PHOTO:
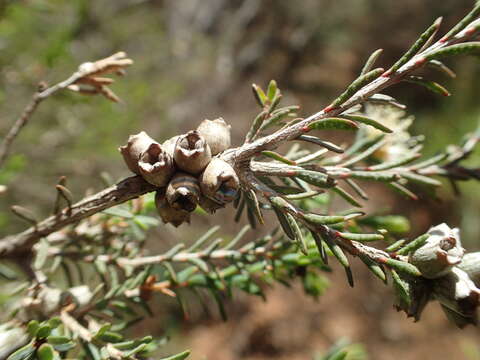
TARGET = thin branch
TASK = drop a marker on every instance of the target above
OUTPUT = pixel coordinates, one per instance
(87, 73)
(125, 190)
(248, 150)
(37, 98)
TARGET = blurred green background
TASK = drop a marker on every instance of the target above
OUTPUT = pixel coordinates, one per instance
(196, 59)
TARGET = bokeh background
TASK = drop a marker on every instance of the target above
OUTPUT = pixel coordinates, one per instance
(196, 59)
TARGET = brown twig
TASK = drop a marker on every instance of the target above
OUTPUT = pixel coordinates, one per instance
(86, 71)
(125, 190)
(37, 98)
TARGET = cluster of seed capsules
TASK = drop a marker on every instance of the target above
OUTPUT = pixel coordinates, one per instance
(186, 169)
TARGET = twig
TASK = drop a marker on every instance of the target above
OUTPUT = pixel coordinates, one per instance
(87, 73)
(125, 190)
(74, 326)
(37, 98)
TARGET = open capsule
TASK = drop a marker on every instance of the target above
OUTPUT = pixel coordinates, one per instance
(192, 153)
(219, 182)
(216, 133)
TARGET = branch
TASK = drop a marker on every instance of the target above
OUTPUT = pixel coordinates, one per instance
(87, 73)
(248, 150)
(240, 158)
(125, 190)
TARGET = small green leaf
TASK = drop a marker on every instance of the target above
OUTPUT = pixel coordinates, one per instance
(472, 15)
(299, 238)
(368, 121)
(180, 356)
(395, 246)
(402, 289)
(315, 178)
(376, 269)
(284, 223)
(46, 352)
(57, 340)
(278, 157)
(24, 353)
(418, 45)
(383, 176)
(403, 190)
(356, 85)
(421, 179)
(333, 124)
(326, 144)
(346, 196)
(361, 237)
(44, 331)
(110, 336)
(201, 240)
(402, 160)
(371, 61)
(373, 147)
(42, 254)
(64, 347)
(337, 251)
(320, 247)
(278, 115)
(256, 125)
(120, 211)
(467, 48)
(403, 267)
(272, 90)
(430, 85)
(146, 222)
(253, 206)
(100, 266)
(413, 245)
(32, 327)
(138, 349)
(339, 355)
(54, 322)
(259, 95)
(104, 328)
(323, 219)
(392, 223)
(438, 65)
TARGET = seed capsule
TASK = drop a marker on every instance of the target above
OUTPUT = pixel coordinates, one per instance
(156, 166)
(137, 144)
(219, 182)
(216, 133)
(441, 251)
(192, 154)
(183, 192)
(168, 214)
(169, 145)
(209, 205)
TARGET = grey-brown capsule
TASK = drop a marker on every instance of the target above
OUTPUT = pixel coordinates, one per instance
(457, 292)
(471, 265)
(440, 253)
(156, 166)
(183, 192)
(137, 144)
(209, 205)
(216, 133)
(169, 145)
(219, 182)
(168, 214)
(192, 153)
